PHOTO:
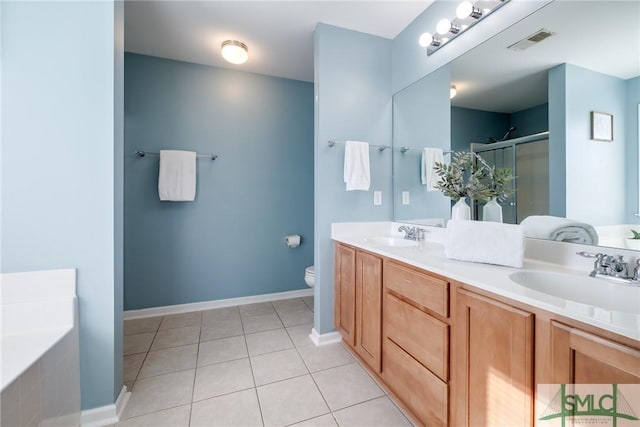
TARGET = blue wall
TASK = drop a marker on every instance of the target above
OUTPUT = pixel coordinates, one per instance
(59, 190)
(230, 241)
(632, 155)
(421, 117)
(590, 166)
(353, 101)
(476, 126)
(530, 121)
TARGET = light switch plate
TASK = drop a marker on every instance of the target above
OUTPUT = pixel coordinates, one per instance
(405, 197)
(377, 198)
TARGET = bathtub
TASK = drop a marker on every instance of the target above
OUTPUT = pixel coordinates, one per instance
(39, 350)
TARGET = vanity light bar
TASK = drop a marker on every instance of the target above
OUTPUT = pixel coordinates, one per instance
(468, 14)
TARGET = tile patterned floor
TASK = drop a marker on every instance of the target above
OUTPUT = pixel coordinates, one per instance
(252, 365)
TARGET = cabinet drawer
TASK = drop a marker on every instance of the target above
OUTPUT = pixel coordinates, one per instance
(417, 333)
(423, 393)
(427, 291)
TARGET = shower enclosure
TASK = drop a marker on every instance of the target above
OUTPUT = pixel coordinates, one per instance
(528, 157)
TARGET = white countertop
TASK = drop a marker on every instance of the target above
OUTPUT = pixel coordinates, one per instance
(496, 279)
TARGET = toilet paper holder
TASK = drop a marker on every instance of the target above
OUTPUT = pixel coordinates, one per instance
(292, 240)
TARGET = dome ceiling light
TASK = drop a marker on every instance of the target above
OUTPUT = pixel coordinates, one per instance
(235, 52)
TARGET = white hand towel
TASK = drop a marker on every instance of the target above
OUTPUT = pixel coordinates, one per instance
(177, 178)
(559, 229)
(486, 242)
(357, 174)
(430, 156)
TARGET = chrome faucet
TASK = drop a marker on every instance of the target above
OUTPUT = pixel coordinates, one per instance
(412, 233)
(613, 267)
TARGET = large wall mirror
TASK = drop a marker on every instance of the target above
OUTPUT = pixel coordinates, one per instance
(526, 99)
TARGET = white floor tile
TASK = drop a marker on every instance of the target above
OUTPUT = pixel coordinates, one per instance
(222, 350)
(239, 409)
(300, 335)
(174, 417)
(260, 322)
(161, 392)
(257, 309)
(268, 341)
(374, 413)
(176, 337)
(181, 320)
(277, 366)
(138, 326)
(309, 302)
(131, 366)
(323, 421)
(220, 314)
(291, 401)
(325, 356)
(169, 360)
(346, 385)
(225, 328)
(222, 378)
(285, 305)
(138, 343)
(296, 317)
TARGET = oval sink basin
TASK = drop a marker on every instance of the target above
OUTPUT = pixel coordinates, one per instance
(390, 241)
(584, 290)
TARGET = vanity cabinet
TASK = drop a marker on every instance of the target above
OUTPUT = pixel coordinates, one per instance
(415, 361)
(344, 313)
(358, 302)
(454, 354)
(579, 357)
(494, 350)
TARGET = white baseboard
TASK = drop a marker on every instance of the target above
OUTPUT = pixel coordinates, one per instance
(207, 305)
(324, 339)
(106, 415)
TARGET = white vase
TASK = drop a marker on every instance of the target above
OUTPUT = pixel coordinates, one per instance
(492, 211)
(461, 210)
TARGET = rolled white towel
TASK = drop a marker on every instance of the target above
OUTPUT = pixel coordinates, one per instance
(559, 229)
(485, 242)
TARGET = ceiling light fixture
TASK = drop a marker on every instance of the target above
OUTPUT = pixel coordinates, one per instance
(467, 15)
(452, 91)
(235, 52)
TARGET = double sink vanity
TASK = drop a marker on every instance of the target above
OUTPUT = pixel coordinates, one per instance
(460, 343)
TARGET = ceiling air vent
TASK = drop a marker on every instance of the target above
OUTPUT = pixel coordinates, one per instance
(531, 40)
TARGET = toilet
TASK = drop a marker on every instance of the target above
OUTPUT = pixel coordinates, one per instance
(309, 276)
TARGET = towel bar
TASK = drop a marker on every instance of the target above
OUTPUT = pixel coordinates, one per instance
(405, 149)
(141, 153)
(331, 143)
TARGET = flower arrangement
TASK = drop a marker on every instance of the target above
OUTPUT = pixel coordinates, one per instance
(465, 178)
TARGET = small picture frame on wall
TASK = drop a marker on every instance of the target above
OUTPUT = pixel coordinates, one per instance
(601, 126)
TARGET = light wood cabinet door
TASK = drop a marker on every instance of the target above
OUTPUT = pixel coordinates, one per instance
(494, 363)
(578, 357)
(345, 292)
(369, 309)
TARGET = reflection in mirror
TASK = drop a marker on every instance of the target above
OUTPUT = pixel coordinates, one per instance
(511, 88)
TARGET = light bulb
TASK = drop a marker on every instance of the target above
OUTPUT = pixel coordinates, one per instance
(425, 39)
(464, 9)
(235, 52)
(443, 27)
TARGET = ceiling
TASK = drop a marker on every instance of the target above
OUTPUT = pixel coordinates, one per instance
(602, 36)
(279, 34)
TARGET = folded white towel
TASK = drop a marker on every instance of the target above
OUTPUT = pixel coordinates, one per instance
(486, 242)
(430, 156)
(357, 174)
(177, 178)
(559, 229)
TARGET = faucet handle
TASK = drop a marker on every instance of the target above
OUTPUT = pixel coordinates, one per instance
(589, 254)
